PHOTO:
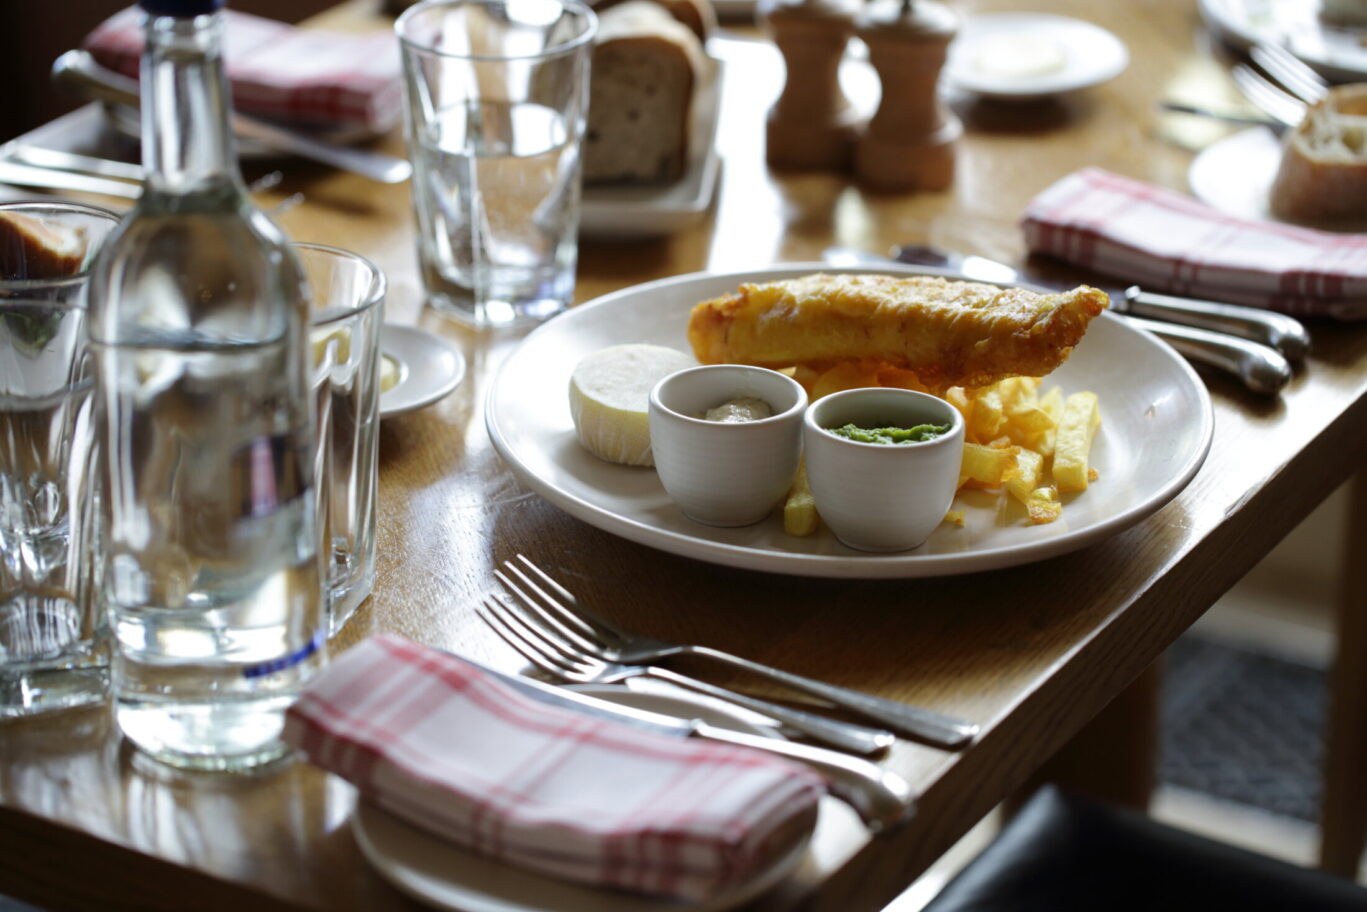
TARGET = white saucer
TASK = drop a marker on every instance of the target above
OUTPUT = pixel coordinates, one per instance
(1235, 176)
(429, 368)
(439, 874)
(1068, 54)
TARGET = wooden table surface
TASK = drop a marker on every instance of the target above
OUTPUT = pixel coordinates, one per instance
(1032, 652)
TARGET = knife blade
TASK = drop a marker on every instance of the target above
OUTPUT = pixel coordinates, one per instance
(50, 179)
(1284, 333)
(880, 797)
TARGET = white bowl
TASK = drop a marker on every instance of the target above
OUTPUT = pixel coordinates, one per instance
(875, 496)
(725, 474)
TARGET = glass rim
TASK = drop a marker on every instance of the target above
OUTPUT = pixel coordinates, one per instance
(407, 43)
(379, 283)
(53, 206)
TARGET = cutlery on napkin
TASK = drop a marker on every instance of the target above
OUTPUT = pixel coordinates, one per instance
(1163, 240)
(464, 753)
(328, 79)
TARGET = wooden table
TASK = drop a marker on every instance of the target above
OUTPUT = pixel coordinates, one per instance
(1032, 652)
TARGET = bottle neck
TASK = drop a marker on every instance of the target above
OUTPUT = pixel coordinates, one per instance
(187, 142)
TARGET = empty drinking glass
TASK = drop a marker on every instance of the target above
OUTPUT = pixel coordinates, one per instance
(496, 98)
(344, 329)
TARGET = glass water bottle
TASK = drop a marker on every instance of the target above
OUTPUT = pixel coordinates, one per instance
(198, 314)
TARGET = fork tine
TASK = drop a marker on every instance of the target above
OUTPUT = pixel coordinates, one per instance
(497, 617)
(585, 644)
(1290, 71)
(1268, 97)
(602, 627)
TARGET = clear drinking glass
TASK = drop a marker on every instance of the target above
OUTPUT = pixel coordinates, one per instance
(496, 98)
(344, 328)
(53, 650)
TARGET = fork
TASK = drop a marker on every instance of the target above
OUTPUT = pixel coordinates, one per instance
(1290, 71)
(1276, 103)
(556, 654)
(603, 640)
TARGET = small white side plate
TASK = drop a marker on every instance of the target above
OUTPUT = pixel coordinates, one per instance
(437, 873)
(429, 368)
(1235, 176)
(1090, 55)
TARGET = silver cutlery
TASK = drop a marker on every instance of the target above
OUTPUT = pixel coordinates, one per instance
(880, 797)
(1261, 368)
(555, 653)
(49, 179)
(80, 71)
(1268, 98)
(58, 160)
(612, 644)
(1290, 71)
(1250, 120)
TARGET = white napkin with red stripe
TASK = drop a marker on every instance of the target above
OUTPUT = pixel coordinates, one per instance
(1165, 241)
(329, 79)
(451, 748)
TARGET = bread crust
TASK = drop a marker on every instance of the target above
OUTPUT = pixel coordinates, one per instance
(1322, 178)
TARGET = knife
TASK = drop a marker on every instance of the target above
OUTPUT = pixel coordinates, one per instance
(1286, 334)
(1262, 368)
(880, 797)
(79, 70)
(28, 176)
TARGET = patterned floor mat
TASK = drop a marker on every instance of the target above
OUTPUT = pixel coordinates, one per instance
(1243, 727)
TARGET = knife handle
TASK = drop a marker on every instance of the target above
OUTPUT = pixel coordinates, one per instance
(1286, 334)
(881, 798)
(1261, 368)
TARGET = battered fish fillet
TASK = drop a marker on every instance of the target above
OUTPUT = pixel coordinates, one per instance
(948, 333)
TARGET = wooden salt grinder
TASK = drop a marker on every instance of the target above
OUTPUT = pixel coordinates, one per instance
(812, 125)
(909, 143)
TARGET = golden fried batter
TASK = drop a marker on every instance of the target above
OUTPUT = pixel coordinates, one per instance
(948, 333)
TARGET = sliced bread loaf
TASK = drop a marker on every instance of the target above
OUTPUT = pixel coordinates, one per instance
(646, 69)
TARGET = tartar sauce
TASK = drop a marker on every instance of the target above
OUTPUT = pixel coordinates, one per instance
(743, 408)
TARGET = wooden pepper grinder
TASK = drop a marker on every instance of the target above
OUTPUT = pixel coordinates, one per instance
(812, 125)
(909, 143)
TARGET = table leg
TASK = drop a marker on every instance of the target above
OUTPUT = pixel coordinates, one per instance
(1343, 810)
(1115, 757)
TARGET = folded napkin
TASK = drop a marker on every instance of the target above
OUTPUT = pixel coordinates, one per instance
(329, 79)
(1165, 241)
(455, 750)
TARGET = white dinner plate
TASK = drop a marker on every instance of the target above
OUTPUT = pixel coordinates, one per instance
(1027, 56)
(1339, 52)
(429, 368)
(641, 211)
(1235, 175)
(1156, 430)
(433, 871)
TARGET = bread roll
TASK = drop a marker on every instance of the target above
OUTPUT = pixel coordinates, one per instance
(33, 249)
(698, 15)
(646, 68)
(1323, 174)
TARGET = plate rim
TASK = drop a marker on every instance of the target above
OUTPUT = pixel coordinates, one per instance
(903, 565)
(1041, 88)
(1241, 33)
(441, 391)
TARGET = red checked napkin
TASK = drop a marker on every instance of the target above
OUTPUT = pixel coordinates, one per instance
(453, 749)
(329, 79)
(1165, 241)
